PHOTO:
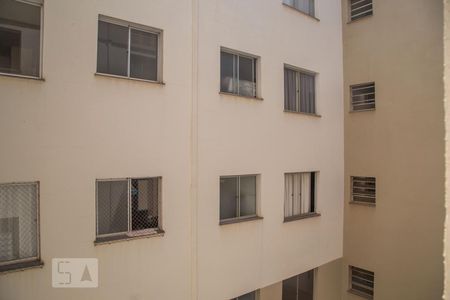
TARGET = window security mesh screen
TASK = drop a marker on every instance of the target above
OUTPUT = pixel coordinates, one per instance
(360, 9)
(363, 96)
(127, 205)
(18, 222)
(362, 281)
(363, 189)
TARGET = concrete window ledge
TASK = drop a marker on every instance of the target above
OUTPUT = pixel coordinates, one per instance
(21, 266)
(127, 237)
(240, 220)
(301, 217)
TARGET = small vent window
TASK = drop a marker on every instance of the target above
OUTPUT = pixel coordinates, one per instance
(360, 9)
(362, 282)
(363, 189)
(363, 96)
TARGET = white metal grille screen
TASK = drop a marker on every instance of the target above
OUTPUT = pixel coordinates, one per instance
(18, 222)
(363, 96)
(360, 9)
(364, 189)
(127, 206)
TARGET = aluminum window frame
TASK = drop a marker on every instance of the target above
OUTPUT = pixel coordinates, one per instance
(255, 71)
(139, 27)
(314, 288)
(130, 232)
(298, 71)
(39, 4)
(316, 179)
(238, 202)
(38, 221)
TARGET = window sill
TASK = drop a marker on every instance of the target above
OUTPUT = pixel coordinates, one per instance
(359, 294)
(239, 220)
(21, 266)
(356, 20)
(303, 113)
(22, 76)
(127, 237)
(301, 217)
(302, 12)
(240, 96)
(362, 203)
(361, 110)
(130, 78)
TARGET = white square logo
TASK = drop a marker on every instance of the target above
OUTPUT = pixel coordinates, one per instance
(75, 272)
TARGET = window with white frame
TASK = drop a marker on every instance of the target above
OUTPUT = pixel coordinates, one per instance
(237, 73)
(300, 194)
(363, 96)
(360, 9)
(249, 296)
(128, 206)
(362, 282)
(306, 6)
(299, 91)
(237, 197)
(19, 223)
(300, 287)
(20, 37)
(363, 189)
(128, 50)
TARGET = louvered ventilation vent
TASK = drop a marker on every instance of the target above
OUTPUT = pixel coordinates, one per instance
(360, 9)
(363, 189)
(363, 96)
(362, 282)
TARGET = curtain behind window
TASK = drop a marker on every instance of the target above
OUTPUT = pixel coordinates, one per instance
(290, 90)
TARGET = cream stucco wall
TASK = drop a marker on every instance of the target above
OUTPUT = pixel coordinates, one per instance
(76, 127)
(401, 143)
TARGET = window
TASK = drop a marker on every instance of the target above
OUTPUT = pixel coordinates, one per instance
(237, 74)
(299, 91)
(360, 9)
(300, 287)
(306, 6)
(20, 37)
(128, 207)
(249, 296)
(362, 282)
(19, 223)
(300, 194)
(363, 189)
(363, 96)
(128, 50)
(237, 197)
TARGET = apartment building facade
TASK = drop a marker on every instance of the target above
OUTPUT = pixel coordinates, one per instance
(394, 149)
(193, 147)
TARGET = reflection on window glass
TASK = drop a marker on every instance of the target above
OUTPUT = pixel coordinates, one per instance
(237, 74)
(237, 196)
(144, 51)
(20, 38)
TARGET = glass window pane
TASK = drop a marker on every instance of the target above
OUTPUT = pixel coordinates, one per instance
(249, 296)
(290, 90)
(144, 55)
(112, 206)
(247, 195)
(228, 197)
(227, 73)
(144, 203)
(18, 221)
(112, 49)
(290, 289)
(246, 77)
(306, 285)
(20, 38)
(307, 93)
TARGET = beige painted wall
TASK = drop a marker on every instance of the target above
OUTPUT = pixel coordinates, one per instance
(401, 143)
(76, 127)
(447, 144)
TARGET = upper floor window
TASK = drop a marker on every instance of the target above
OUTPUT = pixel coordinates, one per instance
(250, 296)
(238, 197)
(306, 6)
(360, 9)
(237, 73)
(20, 37)
(19, 223)
(363, 189)
(128, 50)
(300, 287)
(300, 194)
(299, 91)
(362, 282)
(128, 207)
(363, 96)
